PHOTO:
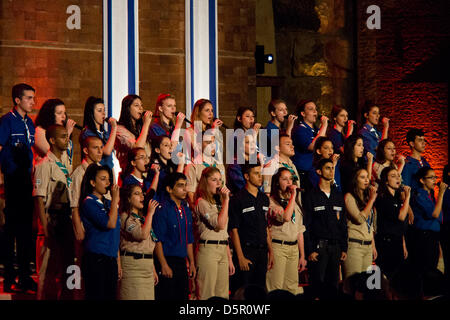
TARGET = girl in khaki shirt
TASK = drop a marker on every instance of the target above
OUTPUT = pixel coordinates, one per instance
(359, 203)
(136, 246)
(214, 261)
(286, 230)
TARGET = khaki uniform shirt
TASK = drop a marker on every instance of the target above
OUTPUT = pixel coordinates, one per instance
(268, 178)
(282, 230)
(131, 236)
(50, 182)
(207, 215)
(193, 173)
(357, 225)
(75, 188)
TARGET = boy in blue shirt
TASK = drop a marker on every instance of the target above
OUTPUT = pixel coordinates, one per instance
(172, 225)
(16, 160)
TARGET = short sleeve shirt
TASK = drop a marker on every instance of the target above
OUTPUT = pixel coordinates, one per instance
(131, 235)
(207, 219)
(248, 214)
(286, 230)
(302, 136)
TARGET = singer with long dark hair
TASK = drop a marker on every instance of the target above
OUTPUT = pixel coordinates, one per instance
(162, 157)
(53, 111)
(339, 119)
(286, 231)
(139, 276)
(427, 220)
(392, 206)
(385, 157)
(359, 204)
(136, 168)
(214, 260)
(102, 224)
(353, 160)
(94, 126)
(132, 129)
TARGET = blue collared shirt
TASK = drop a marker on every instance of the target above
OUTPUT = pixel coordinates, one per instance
(104, 136)
(422, 206)
(235, 177)
(156, 130)
(173, 228)
(99, 238)
(338, 139)
(130, 179)
(16, 139)
(302, 136)
(371, 138)
(410, 169)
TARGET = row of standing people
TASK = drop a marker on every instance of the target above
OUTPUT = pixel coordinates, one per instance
(255, 241)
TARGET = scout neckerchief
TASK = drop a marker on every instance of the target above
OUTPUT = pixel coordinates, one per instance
(291, 170)
(65, 171)
(369, 220)
(142, 221)
(208, 165)
(24, 120)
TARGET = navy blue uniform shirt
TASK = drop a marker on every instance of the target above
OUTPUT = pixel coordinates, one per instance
(173, 227)
(16, 139)
(99, 238)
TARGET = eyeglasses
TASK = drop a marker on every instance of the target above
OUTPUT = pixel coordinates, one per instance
(432, 177)
(142, 158)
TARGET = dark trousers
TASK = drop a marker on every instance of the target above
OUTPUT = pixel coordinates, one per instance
(445, 245)
(257, 269)
(177, 287)
(100, 276)
(425, 253)
(390, 253)
(18, 223)
(324, 273)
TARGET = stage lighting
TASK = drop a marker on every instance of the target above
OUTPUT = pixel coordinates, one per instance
(261, 59)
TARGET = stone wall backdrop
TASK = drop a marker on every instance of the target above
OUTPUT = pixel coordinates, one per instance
(162, 51)
(37, 48)
(236, 56)
(314, 40)
(404, 68)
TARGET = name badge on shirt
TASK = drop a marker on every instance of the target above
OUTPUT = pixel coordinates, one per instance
(337, 208)
(248, 209)
(319, 208)
(265, 208)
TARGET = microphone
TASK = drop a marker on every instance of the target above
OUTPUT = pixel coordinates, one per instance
(77, 126)
(185, 119)
(223, 124)
(176, 114)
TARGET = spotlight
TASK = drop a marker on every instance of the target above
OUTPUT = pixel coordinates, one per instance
(261, 59)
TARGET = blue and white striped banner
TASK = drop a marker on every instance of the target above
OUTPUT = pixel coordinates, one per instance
(120, 52)
(201, 53)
